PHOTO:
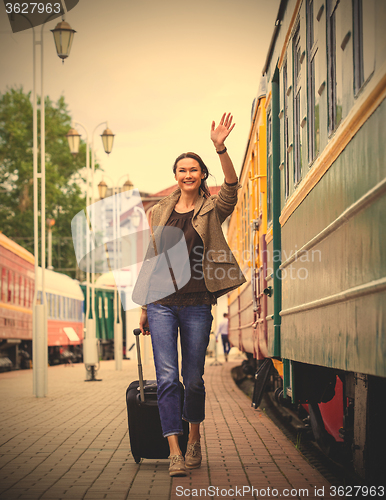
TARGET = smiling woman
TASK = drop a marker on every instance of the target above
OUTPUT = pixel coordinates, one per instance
(190, 173)
(198, 216)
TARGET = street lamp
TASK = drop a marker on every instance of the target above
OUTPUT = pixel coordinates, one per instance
(107, 139)
(102, 188)
(39, 311)
(73, 138)
(118, 330)
(63, 36)
(90, 348)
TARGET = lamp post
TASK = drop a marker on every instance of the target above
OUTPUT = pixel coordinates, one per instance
(118, 330)
(50, 225)
(90, 346)
(39, 310)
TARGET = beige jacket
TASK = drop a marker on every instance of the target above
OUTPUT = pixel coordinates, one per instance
(221, 270)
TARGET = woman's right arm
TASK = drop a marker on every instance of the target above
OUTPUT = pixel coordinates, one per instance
(143, 322)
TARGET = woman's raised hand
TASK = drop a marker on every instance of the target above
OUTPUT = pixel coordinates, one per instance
(224, 128)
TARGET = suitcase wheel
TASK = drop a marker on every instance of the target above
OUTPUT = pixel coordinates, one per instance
(137, 459)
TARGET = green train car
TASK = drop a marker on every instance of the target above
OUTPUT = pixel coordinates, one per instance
(316, 302)
(104, 312)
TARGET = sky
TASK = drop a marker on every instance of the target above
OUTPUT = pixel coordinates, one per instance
(157, 72)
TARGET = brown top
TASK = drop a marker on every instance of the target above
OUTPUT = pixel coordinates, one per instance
(220, 268)
(195, 291)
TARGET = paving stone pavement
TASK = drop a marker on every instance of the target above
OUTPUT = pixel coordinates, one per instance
(74, 444)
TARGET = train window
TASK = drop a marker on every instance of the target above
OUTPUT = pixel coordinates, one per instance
(269, 166)
(100, 305)
(363, 41)
(296, 50)
(27, 293)
(313, 79)
(22, 291)
(15, 294)
(3, 291)
(244, 216)
(106, 308)
(31, 292)
(17, 288)
(10, 286)
(334, 65)
(248, 232)
(60, 307)
(4, 280)
(286, 136)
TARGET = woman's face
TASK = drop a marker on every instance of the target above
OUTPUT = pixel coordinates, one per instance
(189, 175)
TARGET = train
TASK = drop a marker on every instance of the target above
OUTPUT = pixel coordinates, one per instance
(309, 227)
(66, 311)
(105, 316)
(65, 302)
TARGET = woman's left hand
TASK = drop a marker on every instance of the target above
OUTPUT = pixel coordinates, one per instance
(225, 127)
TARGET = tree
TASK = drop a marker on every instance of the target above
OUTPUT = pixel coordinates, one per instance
(64, 197)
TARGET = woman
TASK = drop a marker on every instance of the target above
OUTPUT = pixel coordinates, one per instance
(214, 272)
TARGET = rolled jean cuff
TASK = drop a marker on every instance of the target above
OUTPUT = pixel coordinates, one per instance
(173, 433)
(190, 422)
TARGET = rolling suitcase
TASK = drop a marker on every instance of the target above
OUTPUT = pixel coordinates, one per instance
(145, 430)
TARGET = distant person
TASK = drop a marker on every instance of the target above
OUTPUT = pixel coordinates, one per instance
(197, 213)
(223, 331)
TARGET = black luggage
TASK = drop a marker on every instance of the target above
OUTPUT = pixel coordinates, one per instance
(145, 430)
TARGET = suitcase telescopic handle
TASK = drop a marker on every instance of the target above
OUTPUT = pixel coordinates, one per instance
(137, 333)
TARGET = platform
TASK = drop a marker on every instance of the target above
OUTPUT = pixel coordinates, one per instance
(74, 443)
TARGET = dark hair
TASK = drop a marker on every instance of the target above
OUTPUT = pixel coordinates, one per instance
(204, 169)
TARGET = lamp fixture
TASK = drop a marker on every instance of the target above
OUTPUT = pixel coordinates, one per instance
(63, 36)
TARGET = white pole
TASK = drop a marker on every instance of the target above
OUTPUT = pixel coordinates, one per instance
(93, 218)
(40, 354)
(87, 204)
(90, 349)
(36, 378)
(118, 331)
(50, 248)
(43, 212)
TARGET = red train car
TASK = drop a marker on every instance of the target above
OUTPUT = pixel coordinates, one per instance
(64, 308)
(17, 284)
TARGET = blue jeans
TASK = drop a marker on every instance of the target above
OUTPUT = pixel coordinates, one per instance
(225, 343)
(194, 323)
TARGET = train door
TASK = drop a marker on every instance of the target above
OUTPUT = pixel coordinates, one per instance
(260, 273)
